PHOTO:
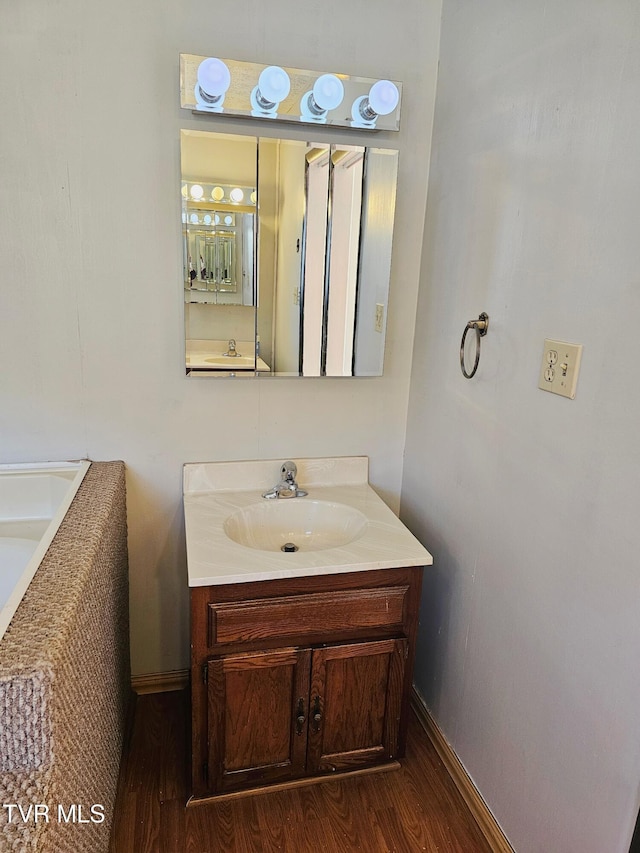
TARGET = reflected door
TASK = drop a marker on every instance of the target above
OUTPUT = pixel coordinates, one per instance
(315, 250)
(346, 211)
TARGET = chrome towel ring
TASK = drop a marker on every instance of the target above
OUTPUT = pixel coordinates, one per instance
(481, 325)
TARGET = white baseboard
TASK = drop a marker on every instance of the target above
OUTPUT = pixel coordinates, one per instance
(487, 823)
(160, 682)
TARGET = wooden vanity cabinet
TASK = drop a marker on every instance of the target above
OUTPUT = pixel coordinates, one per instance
(300, 677)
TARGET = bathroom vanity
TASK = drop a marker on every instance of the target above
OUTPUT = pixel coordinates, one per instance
(301, 661)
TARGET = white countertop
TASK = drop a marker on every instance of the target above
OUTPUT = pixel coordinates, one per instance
(213, 491)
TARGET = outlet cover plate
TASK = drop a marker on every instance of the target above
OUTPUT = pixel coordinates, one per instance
(560, 367)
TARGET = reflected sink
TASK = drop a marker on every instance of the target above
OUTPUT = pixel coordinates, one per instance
(310, 525)
(232, 362)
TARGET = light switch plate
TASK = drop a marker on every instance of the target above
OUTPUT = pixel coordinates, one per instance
(560, 367)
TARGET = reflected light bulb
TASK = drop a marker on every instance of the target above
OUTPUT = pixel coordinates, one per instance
(207, 219)
(273, 87)
(194, 218)
(214, 78)
(228, 219)
(236, 194)
(196, 192)
(382, 99)
(327, 94)
(253, 197)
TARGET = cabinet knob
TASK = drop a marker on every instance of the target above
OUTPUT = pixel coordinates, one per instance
(300, 717)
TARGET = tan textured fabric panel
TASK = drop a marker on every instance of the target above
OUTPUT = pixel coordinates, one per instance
(64, 675)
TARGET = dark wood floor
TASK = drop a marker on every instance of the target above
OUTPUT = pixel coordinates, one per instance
(416, 808)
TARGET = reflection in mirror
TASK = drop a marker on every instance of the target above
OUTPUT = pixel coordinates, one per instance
(316, 164)
(330, 213)
(317, 302)
(281, 251)
(218, 252)
(347, 163)
(219, 202)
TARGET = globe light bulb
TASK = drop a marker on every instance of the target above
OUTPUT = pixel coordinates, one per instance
(253, 197)
(327, 94)
(228, 220)
(194, 219)
(196, 192)
(382, 99)
(274, 84)
(207, 219)
(217, 193)
(236, 195)
(273, 87)
(214, 78)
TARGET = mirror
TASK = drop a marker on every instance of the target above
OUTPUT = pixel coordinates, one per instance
(287, 253)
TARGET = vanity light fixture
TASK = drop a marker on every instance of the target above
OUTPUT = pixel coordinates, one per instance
(214, 78)
(273, 87)
(327, 94)
(232, 87)
(201, 192)
(382, 99)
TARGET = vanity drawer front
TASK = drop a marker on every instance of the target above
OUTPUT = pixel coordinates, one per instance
(316, 613)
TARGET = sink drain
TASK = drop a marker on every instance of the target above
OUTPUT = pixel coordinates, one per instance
(289, 547)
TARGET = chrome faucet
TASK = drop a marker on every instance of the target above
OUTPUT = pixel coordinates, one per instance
(231, 352)
(287, 487)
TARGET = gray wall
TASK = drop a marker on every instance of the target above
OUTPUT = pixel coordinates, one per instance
(530, 628)
(91, 294)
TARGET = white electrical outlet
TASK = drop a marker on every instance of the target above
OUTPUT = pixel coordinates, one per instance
(379, 316)
(560, 366)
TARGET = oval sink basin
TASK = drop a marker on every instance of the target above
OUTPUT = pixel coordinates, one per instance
(232, 362)
(308, 525)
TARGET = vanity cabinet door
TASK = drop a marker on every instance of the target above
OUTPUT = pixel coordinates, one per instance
(355, 704)
(257, 710)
